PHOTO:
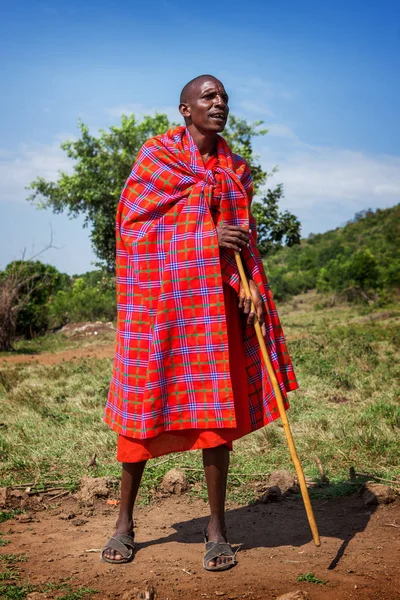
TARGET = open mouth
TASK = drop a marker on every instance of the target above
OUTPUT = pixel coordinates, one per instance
(218, 117)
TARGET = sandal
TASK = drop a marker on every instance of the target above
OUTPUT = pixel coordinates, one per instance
(123, 544)
(216, 549)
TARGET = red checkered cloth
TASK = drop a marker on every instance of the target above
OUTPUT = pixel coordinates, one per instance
(171, 367)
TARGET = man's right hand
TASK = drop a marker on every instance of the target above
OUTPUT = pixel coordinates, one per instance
(232, 236)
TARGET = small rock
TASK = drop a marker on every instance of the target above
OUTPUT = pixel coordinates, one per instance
(297, 595)
(25, 518)
(284, 480)
(175, 482)
(278, 485)
(273, 494)
(92, 488)
(35, 596)
(377, 493)
(79, 522)
(68, 516)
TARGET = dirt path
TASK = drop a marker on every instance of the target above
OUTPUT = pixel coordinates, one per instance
(359, 556)
(52, 358)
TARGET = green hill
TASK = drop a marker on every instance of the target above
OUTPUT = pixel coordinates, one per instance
(363, 255)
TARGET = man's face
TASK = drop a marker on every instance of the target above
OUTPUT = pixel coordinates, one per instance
(206, 106)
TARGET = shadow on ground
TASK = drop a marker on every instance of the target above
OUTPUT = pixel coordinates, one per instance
(282, 524)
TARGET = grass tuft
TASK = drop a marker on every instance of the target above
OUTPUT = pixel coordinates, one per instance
(15, 591)
(6, 515)
(2, 541)
(310, 578)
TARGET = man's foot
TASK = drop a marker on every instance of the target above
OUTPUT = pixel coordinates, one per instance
(113, 552)
(219, 554)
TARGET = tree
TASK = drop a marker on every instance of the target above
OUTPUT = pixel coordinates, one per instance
(101, 165)
(25, 289)
(274, 228)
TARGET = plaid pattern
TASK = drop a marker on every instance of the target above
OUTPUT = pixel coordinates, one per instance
(171, 367)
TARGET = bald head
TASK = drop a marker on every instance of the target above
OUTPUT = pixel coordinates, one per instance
(193, 85)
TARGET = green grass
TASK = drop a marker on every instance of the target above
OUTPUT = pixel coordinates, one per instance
(15, 591)
(346, 411)
(6, 515)
(11, 559)
(310, 578)
(9, 575)
(12, 588)
(9, 572)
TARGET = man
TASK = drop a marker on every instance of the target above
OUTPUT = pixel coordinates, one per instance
(188, 372)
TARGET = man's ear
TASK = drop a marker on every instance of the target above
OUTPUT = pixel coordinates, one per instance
(185, 110)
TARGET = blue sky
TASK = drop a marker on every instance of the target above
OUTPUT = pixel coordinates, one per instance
(324, 77)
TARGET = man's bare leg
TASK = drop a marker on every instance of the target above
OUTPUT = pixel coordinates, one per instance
(216, 464)
(131, 478)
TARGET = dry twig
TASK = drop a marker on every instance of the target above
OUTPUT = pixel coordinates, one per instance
(354, 474)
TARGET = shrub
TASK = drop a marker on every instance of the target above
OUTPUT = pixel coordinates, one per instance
(90, 297)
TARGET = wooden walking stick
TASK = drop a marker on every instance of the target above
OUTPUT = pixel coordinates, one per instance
(282, 411)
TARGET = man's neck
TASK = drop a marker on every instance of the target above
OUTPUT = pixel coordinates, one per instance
(205, 142)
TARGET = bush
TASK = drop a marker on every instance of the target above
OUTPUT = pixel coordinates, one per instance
(359, 272)
(34, 284)
(90, 297)
(285, 284)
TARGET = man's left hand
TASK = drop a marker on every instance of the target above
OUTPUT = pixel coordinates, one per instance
(255, 310)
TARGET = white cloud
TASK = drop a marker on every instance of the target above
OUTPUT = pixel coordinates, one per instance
(324, 173)
(326, 186)
(20, 168)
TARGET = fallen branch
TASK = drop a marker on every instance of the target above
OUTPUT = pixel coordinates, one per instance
(64, 493)
(354, 474)
(34, 484)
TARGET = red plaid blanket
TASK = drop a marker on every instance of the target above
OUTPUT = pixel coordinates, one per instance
(171, 367)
